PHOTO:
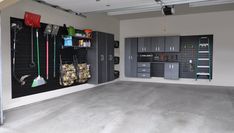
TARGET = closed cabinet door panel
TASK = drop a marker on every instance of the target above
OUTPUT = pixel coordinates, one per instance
(154, 45)
(176, 44)
(102, 67)
(141, 44)
(175, 71)
(128, 57)
(161, 45)
(147, 44)
(167, 70)
(110, 57)
(168, 44)
(134, 57)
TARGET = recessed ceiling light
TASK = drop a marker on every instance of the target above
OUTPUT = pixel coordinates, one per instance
(108, 5)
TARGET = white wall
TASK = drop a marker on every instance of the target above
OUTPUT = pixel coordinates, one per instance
(220, 24)
(1, 111)
(97, 22)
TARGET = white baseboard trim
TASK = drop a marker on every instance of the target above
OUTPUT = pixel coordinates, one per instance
(17, 102)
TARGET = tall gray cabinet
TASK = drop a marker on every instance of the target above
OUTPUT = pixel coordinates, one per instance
(131, 57)
(101, 58)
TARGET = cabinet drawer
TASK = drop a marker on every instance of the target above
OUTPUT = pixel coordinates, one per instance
(143, 75)
(144, 70)
(144, 64)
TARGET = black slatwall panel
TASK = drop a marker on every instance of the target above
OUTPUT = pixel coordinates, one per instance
(188, 51)
(23, 59)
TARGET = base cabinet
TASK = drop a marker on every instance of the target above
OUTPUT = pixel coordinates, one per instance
(171, 71)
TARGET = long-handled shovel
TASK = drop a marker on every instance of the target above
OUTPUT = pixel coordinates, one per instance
(54, 33)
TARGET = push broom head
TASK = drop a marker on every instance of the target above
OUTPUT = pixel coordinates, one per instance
(38, 81)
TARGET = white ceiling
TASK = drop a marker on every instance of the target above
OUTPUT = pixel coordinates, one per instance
(117, 7)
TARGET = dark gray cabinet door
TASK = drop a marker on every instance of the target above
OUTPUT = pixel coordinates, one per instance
(133, 57)
(172, 44)
(102, 63)
(141, 44)
(167, 70)
(157, 44)
(147, 44)
(110, 56)
(175, 71)
(128, 57)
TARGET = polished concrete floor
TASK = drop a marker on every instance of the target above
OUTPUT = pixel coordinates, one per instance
(129, 107)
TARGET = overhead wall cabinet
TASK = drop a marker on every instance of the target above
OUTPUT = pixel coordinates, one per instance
(172, 44)
(157, 44)
(101, 58)
(131, 57)
(144, 44)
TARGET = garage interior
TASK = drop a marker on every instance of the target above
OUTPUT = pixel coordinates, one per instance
(106, 66)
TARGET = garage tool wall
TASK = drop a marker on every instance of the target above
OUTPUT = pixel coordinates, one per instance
(23, 59)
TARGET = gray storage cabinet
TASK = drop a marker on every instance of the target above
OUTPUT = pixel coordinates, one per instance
(172, 44)
(171, 70)
(131, 57)
(100, 58)
(157, 44)
(144, 44)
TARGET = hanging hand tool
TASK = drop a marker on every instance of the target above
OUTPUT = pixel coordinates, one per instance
(54, 33)
(47, 31)
(16, 27)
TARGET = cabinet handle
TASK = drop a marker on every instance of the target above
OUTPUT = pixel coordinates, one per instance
(102, 57)
(173, 48)
(110, 57)
(170, 48)
(172, 66)
(158, 48)
(143, 70)
(129, 57)
(143, 75)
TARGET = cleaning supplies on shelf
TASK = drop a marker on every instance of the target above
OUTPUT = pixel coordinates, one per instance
(68, 41)
(84, 43)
